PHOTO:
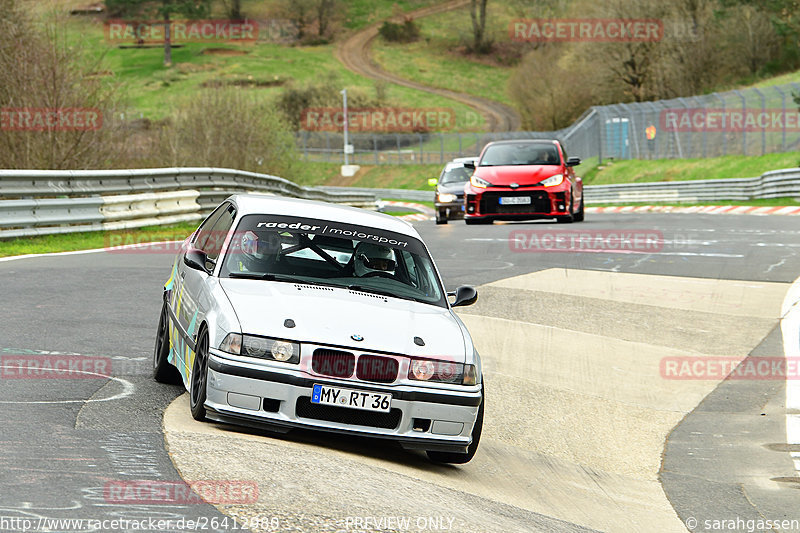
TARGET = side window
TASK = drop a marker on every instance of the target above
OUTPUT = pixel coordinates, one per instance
(213, 244)
(204, 232)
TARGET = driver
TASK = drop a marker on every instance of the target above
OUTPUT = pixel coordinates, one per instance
(259, 251)
(373, 259)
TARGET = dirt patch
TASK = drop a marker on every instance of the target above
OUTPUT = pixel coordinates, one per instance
(340, 181)
(245, 82)
(224, 52)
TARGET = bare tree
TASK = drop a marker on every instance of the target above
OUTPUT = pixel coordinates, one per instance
(325, 10)
(477, 12)
(253, 133)
(45, 74)
(554, 100)
(751, 36)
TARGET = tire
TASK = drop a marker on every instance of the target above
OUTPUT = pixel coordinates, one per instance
(457, 458)
(441, 218)
(566, 219)
(163, 371)
(197, 388)
(578, 217)
(477, 221)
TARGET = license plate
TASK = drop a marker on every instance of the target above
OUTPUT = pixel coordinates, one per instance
(352, 399)
(515, 200)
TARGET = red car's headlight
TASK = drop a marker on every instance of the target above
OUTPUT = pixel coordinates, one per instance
(552, 181)
(479, 183)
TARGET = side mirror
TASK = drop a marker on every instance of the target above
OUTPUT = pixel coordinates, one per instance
(198, 260)
(573, 161)
(464, 295)
(469, 165)
(433, 182)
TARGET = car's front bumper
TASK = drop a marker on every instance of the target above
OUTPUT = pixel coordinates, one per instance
(278, 399)
(450, 210)
(543, 203)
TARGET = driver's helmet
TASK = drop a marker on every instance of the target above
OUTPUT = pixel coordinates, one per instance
(258, 250)
(370, 257)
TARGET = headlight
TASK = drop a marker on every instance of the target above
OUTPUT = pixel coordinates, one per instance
(439, 371)
(262, 347)
(479, 183)
(446, 198)
(552, 181)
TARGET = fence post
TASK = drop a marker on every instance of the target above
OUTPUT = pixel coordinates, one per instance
(600, 137)
(783, 118)
(763, 130)
(744, 112)
(724, 132)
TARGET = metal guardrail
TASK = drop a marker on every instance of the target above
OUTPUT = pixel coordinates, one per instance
(773, 184)
(40, 202)
(399, 194)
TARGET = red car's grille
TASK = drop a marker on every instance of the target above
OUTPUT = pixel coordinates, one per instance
(490, 203)
(333, 363)
(375, 368)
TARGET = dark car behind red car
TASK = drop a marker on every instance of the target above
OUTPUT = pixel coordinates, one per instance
(523, 180)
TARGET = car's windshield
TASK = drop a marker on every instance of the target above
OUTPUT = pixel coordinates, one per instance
(520, 154)
(281, 248)
(455, 175)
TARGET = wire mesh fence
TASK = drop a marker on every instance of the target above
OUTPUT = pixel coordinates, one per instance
(753, 121)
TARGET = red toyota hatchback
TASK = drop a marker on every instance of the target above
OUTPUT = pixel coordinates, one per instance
(523, 180)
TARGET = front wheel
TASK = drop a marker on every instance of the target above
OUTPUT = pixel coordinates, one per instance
(579, 215)
(441, 217)
(197, 390)
(458, 458)
(163, 371)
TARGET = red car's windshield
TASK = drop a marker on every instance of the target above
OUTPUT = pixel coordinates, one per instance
(520, 154)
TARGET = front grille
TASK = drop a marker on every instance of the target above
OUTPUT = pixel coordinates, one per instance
(333, 363)
(490, 203)
(375, 368)
(354, 417)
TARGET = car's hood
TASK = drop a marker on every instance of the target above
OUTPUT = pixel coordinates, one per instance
(332, 316)
(520, 174)
(454, 187)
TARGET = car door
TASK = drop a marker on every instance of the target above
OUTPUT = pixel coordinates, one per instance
(181, 294)
(197, 300)
(569, 174)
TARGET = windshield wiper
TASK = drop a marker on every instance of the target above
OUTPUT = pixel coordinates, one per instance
(361, 288)
(275, 277)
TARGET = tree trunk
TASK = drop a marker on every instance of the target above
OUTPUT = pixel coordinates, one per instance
(167, 41)
(236, 10)
(478, 14)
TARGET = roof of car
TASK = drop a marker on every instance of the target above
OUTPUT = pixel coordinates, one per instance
(517, 141)
(249, 204)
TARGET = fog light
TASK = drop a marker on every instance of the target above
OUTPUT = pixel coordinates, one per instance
(560, 207)
(471, 209)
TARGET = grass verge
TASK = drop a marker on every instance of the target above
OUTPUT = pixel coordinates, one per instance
(91, 240)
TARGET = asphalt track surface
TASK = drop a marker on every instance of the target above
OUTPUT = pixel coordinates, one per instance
(66, 441)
